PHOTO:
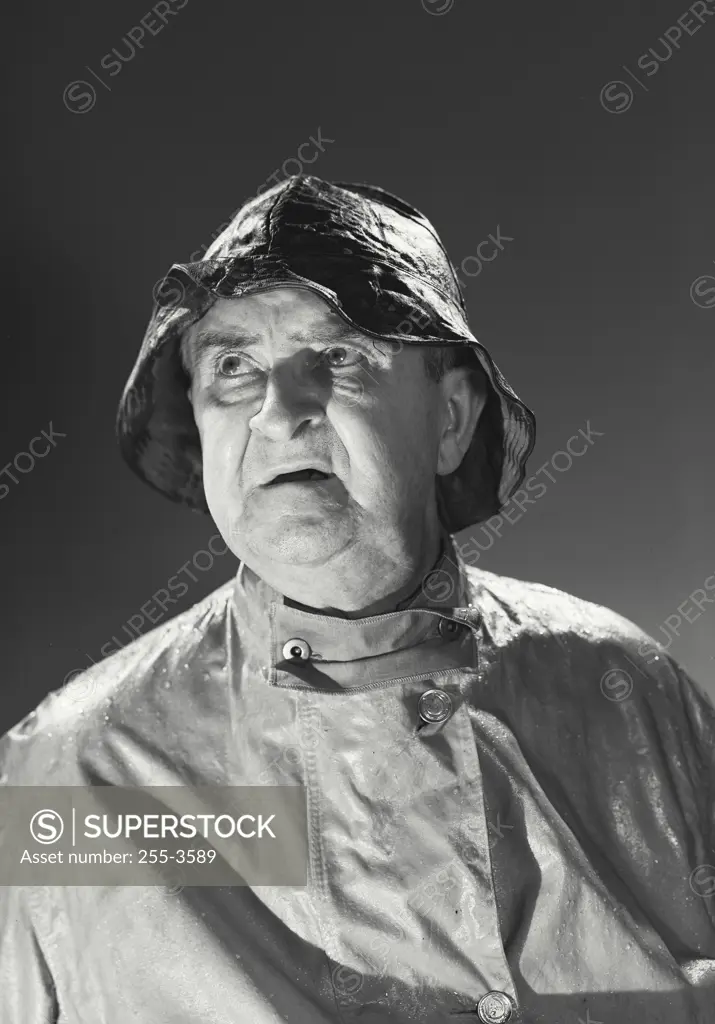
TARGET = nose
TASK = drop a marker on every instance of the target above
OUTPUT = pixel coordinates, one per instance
(294, 396)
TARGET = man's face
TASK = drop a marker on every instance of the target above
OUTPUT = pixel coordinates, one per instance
(280, 380)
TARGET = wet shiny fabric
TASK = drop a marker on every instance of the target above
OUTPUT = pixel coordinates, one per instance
(540, 842)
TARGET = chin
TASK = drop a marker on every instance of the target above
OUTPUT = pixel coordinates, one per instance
(296, 539)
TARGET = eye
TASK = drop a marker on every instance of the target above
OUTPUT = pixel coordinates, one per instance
(229, 365)
(343, 355)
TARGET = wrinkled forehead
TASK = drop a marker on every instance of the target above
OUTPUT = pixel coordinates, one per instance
(286, 311)
(285, 317)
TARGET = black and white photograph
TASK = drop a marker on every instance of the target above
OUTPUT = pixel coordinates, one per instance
(357, 503)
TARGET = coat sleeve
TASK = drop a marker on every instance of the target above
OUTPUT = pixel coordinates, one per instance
(699, 715)
(27, 990)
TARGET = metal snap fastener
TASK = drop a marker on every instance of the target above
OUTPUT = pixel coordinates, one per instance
(296, 650)
(448, 628)
(494, 1008)
(434, 706)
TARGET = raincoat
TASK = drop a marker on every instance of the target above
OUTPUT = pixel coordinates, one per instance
(511, 817)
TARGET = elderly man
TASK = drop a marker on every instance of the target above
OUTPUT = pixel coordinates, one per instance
(510, 809)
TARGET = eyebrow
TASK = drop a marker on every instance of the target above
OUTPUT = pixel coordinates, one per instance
(209, 339)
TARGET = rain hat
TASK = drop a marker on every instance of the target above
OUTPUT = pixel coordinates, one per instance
(380, 264)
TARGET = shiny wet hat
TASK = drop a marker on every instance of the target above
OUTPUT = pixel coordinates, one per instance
(381, 265)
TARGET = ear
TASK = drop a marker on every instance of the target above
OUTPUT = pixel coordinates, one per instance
(462, 402)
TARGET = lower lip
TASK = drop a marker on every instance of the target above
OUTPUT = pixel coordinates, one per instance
(296, 497)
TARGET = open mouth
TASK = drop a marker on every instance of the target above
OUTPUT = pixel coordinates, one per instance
(300, 476)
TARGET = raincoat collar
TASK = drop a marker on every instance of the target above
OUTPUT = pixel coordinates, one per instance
(425, 634)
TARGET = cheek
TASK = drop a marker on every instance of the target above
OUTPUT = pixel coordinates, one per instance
(223, 441)
(386, 442)
(404, 420)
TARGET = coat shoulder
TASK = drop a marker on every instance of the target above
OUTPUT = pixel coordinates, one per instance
(514, 607)
(583, 641)
(48, 735)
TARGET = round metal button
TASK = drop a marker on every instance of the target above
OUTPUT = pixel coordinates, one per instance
(494, 1008)
(448, 629)
(296, 650)
(434, 706)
